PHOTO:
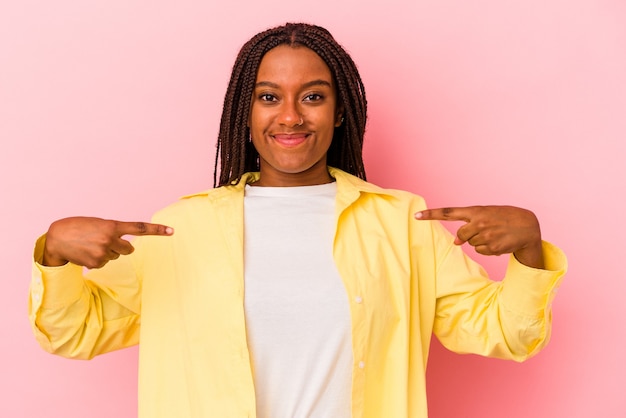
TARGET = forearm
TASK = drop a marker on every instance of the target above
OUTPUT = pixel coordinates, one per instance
(73, 317)
(510, 319)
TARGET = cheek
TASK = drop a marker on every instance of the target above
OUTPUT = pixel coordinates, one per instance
(253, 123)
(258, 121)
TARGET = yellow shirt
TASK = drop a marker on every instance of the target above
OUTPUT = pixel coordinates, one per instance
(182, 297)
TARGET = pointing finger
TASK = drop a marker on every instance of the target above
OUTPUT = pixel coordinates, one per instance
(446, 214)
(142, 228)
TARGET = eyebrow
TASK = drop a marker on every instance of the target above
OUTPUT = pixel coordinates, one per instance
(319, 82)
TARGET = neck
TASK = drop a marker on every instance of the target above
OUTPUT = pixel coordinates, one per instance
(318, 174)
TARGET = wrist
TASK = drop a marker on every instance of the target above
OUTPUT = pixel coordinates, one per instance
(51, 259)
(531, 255)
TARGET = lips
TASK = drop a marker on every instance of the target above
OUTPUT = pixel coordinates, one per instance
(290, 140)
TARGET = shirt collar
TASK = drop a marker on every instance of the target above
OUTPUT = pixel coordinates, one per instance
(349, 187)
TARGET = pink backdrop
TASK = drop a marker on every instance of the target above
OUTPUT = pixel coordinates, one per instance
(111, 109)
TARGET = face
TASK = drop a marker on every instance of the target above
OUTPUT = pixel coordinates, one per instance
(293, 116)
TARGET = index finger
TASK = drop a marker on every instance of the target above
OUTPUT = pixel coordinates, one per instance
(142, 228)
(446, 214)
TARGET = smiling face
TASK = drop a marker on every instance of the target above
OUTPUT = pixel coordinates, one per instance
(293, 116)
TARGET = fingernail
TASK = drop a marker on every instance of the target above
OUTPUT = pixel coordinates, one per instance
(169, 231)
(418, 215)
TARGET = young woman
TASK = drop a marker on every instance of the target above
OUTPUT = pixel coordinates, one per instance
(294, 288)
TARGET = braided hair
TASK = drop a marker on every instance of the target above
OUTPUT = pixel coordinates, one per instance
(236, 153)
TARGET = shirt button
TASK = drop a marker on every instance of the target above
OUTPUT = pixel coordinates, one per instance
(37, 297)
(361, 364)
(358, 299)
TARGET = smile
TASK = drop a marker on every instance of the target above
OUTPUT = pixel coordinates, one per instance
(290, 140)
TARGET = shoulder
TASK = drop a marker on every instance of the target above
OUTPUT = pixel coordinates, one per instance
(354, 188)
(203, 203)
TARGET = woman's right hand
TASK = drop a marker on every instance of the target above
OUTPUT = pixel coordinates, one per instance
(93, 242)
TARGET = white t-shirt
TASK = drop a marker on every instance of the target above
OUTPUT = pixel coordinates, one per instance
(297, 311)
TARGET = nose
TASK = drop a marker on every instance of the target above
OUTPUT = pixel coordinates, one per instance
(290, 114)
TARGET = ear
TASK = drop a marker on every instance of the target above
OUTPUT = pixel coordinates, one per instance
(339, 117)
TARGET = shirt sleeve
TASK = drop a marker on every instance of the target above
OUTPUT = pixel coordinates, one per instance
(508, 319)
(80, 316)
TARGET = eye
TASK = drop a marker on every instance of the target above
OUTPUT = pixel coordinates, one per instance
(313, 97)
(267, 97)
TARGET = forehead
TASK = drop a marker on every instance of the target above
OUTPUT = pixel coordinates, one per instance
(286, 64)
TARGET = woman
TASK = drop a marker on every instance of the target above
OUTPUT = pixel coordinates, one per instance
(295, 288)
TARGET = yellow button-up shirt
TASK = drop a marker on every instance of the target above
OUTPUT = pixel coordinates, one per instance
(181, 296)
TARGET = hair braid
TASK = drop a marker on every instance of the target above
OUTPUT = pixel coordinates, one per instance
(235, 152)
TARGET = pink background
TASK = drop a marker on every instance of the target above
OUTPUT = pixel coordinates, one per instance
(111, 109)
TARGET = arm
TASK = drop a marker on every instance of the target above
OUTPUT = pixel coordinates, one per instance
(510, 319)
(80, 317)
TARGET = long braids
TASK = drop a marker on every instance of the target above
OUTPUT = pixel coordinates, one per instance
(235, 152)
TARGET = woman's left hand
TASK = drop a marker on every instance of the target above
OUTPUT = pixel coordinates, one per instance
(495, 230)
